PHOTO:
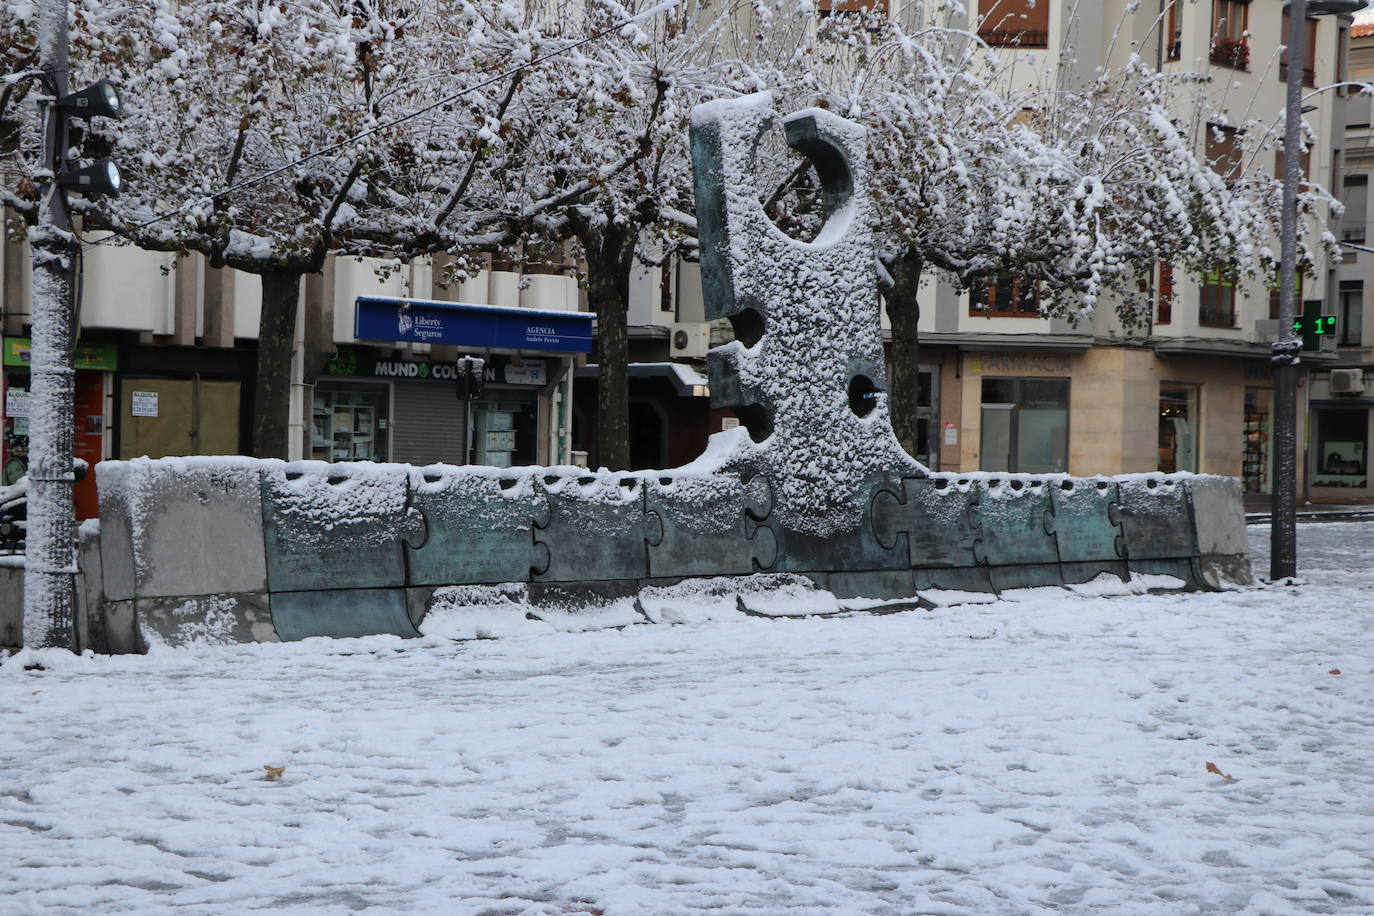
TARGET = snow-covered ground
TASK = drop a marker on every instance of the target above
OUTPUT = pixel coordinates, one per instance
(1158, 754)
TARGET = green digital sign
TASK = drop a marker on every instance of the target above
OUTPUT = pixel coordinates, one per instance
(1312, 326)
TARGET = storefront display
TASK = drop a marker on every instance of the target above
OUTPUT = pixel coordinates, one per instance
(1255, 461)
(1178, 413)
(368, 407)
(350, 422)
(1341, 448)
(1025, 425)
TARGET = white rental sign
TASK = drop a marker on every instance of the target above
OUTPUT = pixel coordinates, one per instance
(144, 404)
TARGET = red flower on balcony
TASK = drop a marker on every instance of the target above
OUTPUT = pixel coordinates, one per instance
(1231, 52)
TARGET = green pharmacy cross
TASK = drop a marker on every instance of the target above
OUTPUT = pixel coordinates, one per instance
(1312, 325)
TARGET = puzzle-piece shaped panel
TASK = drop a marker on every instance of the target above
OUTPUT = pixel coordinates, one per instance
(1157, 518)
(342, 613)
(933, 518)
(480, 524)
(1087, 521)
(597, 529)
(337, 526)
(849, 549)
(710, 525)
(1016, 524)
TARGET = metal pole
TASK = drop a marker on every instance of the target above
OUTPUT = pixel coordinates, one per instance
(50, 567)
(1283, 555)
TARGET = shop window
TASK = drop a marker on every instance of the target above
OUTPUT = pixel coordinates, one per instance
(1258, 440)
(1309, 52)
(1165, 311)
(1342, 444)
(1025, 425)
(350, 422)
(1352, 313)
(1178, 428)
(1016, 23)
(1224, 153)
(1230, 23)
(504, 431)
(1007, 298)
(1217, 305)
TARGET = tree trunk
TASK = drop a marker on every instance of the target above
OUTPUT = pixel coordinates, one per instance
(610, 249)
(276, 345)
(903, 311)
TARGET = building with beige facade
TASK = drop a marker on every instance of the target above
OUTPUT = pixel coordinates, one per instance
(1192, 390)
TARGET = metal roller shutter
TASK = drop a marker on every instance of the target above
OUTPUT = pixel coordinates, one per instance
(428, 424)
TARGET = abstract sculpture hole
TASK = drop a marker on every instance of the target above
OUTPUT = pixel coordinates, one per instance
(863, 395)
(748, 326)
(756, 420)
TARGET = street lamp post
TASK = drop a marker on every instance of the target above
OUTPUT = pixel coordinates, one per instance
(1283, 553)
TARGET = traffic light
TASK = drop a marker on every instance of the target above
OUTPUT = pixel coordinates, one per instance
(469, 372)
(100, 99)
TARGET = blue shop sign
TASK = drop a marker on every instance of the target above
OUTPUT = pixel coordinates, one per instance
(459, 324)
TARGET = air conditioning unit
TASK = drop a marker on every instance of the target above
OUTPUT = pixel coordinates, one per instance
(691, 339)
(1347, 381)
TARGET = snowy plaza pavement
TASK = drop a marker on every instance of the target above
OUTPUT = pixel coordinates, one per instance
(1045, 755)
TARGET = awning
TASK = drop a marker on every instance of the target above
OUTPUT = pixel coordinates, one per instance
(686, 380)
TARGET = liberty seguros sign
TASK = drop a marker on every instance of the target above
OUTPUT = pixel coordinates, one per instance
(461, 324)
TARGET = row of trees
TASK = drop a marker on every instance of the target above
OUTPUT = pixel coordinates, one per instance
(268, 135)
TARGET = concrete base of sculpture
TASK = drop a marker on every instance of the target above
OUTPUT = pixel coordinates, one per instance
(359, 549)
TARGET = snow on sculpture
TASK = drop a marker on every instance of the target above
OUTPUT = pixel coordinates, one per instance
(805, 372)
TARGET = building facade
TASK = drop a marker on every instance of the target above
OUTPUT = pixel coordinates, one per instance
(166, 356)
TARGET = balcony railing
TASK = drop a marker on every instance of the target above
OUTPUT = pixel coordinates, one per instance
(1231, 52)
(1218, 317)
(1015, 38)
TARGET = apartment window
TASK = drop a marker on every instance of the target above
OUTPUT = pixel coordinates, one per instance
(1274, 295)
(1018, 23)
(1304, 164)
(1224, 152)
(1230, 22)
(1352, 312)
(1165, 312)
(1178, 421)
(1309, 52)
(1015, 297)
(1217, 308)
(1355, 197)
(1025, 425)
(1173, 33)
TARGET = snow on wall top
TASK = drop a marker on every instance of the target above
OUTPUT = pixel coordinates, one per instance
(806, 370)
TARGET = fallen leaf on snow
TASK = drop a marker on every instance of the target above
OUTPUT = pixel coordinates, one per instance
(1213, 768)
(1334, 671)
(275, 772)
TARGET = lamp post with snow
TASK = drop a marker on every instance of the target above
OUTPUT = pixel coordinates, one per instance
(50, 560)
(1283, 559)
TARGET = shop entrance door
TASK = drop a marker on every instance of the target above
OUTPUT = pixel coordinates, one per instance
(163, 417)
